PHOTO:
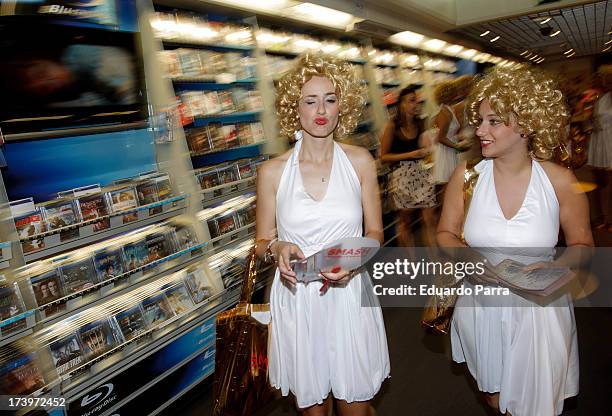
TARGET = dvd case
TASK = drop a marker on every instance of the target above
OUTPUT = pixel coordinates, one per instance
(122, 198)
(97, 338)
(156, 310)
(78, 276)
(108, 264)
(164, 187)
(148, 194)
(59, 213)
(179, 299)
(184, 237)
(226, 223)
(28, 225)
(230, 136)
(67, 354)
(208, 179)
(246, 216)
(21, 376)
(11, 305)
(135, 254)
(131, 322)
(198, 285)
(92, 207)
(47, 287)
(157, 246)
(228, 174)
(245, 169)
(197, 140)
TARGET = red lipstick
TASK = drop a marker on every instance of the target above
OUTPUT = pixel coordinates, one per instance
(321, 121)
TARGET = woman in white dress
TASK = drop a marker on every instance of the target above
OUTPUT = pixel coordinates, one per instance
(600, 150)
(325, 342)
(522, 355)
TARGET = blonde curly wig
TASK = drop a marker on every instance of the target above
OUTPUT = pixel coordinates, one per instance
(342, 75)
(532, 97)
(445, 92)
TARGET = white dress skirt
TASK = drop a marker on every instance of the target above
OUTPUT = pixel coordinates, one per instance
(525, 351)
(446, 158)
(600, 144)
(333, 342)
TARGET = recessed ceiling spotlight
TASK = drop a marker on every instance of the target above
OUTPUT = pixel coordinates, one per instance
(495, 38)
(485, 33)
(555, 33)
(548, 19)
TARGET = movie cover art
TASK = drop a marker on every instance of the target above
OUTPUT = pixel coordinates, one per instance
(28, 225)
(156, 310)
(147, 192)
(198, 285)
(246, 216)
(48, 288)
(228, 174)
(208, 179)
(226, 223)
(78, 276)
(131, 322)
(246, 170)
(226, 102)
(230, 136)
(21, 376)
(157, 246)
(123, 199)
(179, 299)
(108, 264)
(197, 139)
(185, 237)
(97, 338)
(67, 354)
(11, 305)
(164, 187)
(135, 254)
(60, 214)
(245, 135)
(92, 207)
(215, 135)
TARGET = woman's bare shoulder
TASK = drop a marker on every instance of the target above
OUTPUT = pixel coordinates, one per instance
(273, 168)
(561, 178)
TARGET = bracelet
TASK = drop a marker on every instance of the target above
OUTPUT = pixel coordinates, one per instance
(268, 255)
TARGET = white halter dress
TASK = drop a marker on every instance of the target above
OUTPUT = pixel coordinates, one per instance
(324, 342)
(526, 352)
(446, 158)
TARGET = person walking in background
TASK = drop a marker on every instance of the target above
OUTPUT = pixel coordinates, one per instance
(410, 184)
(600, 150)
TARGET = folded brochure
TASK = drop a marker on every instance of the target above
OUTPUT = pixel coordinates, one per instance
(348, 253)
(542, 282)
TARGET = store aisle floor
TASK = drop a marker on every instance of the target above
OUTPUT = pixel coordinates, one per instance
(425, 382)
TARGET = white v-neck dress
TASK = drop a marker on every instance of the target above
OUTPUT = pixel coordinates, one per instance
(526, 352)
(331, 342)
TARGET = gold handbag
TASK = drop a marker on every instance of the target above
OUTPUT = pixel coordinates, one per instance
(438, 312)
(241, 363)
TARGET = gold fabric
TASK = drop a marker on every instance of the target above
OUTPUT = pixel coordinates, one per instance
(241, 372)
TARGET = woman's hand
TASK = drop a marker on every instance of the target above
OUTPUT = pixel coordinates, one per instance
(335, 276)
(284, 252)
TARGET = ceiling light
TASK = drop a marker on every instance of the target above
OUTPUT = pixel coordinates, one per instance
(313, 13)
(407, 38)
(608, 42)
(548, 19)
(265, 6)
(606, 49)
(525, 53)
(568, 51)
(307, 44)
(485, 33)
(495, 38)
(330, 47)
(570, 55)
(533, 57)
(539, 61)
(555, 33)
(434, 45)
(528, 54)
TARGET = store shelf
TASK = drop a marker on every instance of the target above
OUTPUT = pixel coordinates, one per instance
(176, 44)
(53, 244)
(196, 84)
(218, 194)
(214, 157)
(233, 237)
(247, 116)
(101, 292)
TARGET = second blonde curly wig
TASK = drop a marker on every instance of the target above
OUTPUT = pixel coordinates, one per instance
(342, 75)
(532, 97)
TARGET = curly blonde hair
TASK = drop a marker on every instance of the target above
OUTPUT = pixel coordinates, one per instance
(445, 92)
(350, 92)
(532, 97)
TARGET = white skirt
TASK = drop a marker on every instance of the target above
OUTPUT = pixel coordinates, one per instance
(526, 352)
(445, 161)
(322, 343)
(600, 149)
